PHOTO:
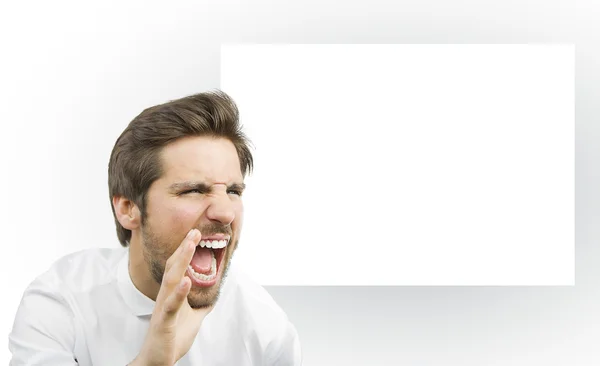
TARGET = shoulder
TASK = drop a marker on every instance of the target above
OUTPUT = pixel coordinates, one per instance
(45, 317)
(83, 269)
(75, 273)
(70, 276)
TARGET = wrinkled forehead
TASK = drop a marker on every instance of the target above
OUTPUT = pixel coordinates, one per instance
(212, 160)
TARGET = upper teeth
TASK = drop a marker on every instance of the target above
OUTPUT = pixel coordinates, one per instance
(215, 244)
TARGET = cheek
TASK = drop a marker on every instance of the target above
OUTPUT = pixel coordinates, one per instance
(182, 218)
(239, 216)
(185, 214)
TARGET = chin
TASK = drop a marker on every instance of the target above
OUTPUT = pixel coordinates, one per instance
(200, 298)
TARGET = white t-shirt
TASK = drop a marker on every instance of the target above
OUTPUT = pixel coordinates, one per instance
(86, 311)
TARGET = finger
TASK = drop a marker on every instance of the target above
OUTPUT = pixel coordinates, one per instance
(185, 257)
(179, 265)
(175, 300)
(183, 247)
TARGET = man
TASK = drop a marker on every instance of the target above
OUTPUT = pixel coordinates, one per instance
(169, 296)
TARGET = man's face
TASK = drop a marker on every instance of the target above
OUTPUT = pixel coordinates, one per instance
(200, 188)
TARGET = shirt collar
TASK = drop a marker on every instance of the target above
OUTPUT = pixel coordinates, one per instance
(138, 303)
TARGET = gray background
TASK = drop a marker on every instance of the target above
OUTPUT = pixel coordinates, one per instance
(360, 325)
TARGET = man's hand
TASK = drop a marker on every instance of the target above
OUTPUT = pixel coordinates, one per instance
(174, 324)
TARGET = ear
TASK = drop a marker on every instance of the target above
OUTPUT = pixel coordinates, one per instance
(127, 212)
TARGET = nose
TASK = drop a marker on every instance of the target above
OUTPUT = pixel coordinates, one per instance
(220, 209)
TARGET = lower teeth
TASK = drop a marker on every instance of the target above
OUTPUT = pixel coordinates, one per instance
(211, 275)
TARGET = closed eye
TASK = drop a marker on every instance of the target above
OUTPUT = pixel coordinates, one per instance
(231, 191)
(191, 191)
(187, 188)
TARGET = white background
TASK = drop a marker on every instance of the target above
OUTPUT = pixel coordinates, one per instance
(407, 164)
(94, 65)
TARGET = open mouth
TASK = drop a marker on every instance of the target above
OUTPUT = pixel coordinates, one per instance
(205, 266)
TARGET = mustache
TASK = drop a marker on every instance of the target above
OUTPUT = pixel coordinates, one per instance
(214, 228)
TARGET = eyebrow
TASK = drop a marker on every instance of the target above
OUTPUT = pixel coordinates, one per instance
(201, 186)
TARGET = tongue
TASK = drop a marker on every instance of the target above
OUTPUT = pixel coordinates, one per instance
(202, 260)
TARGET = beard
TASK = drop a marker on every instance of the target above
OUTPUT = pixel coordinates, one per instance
(157, 250)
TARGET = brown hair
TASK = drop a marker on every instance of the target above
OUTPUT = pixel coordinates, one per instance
(134, 162)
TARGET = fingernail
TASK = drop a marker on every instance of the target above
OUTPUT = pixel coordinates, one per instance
(191, 234)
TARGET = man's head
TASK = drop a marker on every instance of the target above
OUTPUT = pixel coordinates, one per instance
(179, 166)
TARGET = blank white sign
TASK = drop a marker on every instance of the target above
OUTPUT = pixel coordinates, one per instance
(407, 164)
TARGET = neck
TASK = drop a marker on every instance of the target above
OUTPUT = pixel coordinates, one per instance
(138, 269)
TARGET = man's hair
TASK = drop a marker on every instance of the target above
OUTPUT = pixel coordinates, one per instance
(135, 159)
